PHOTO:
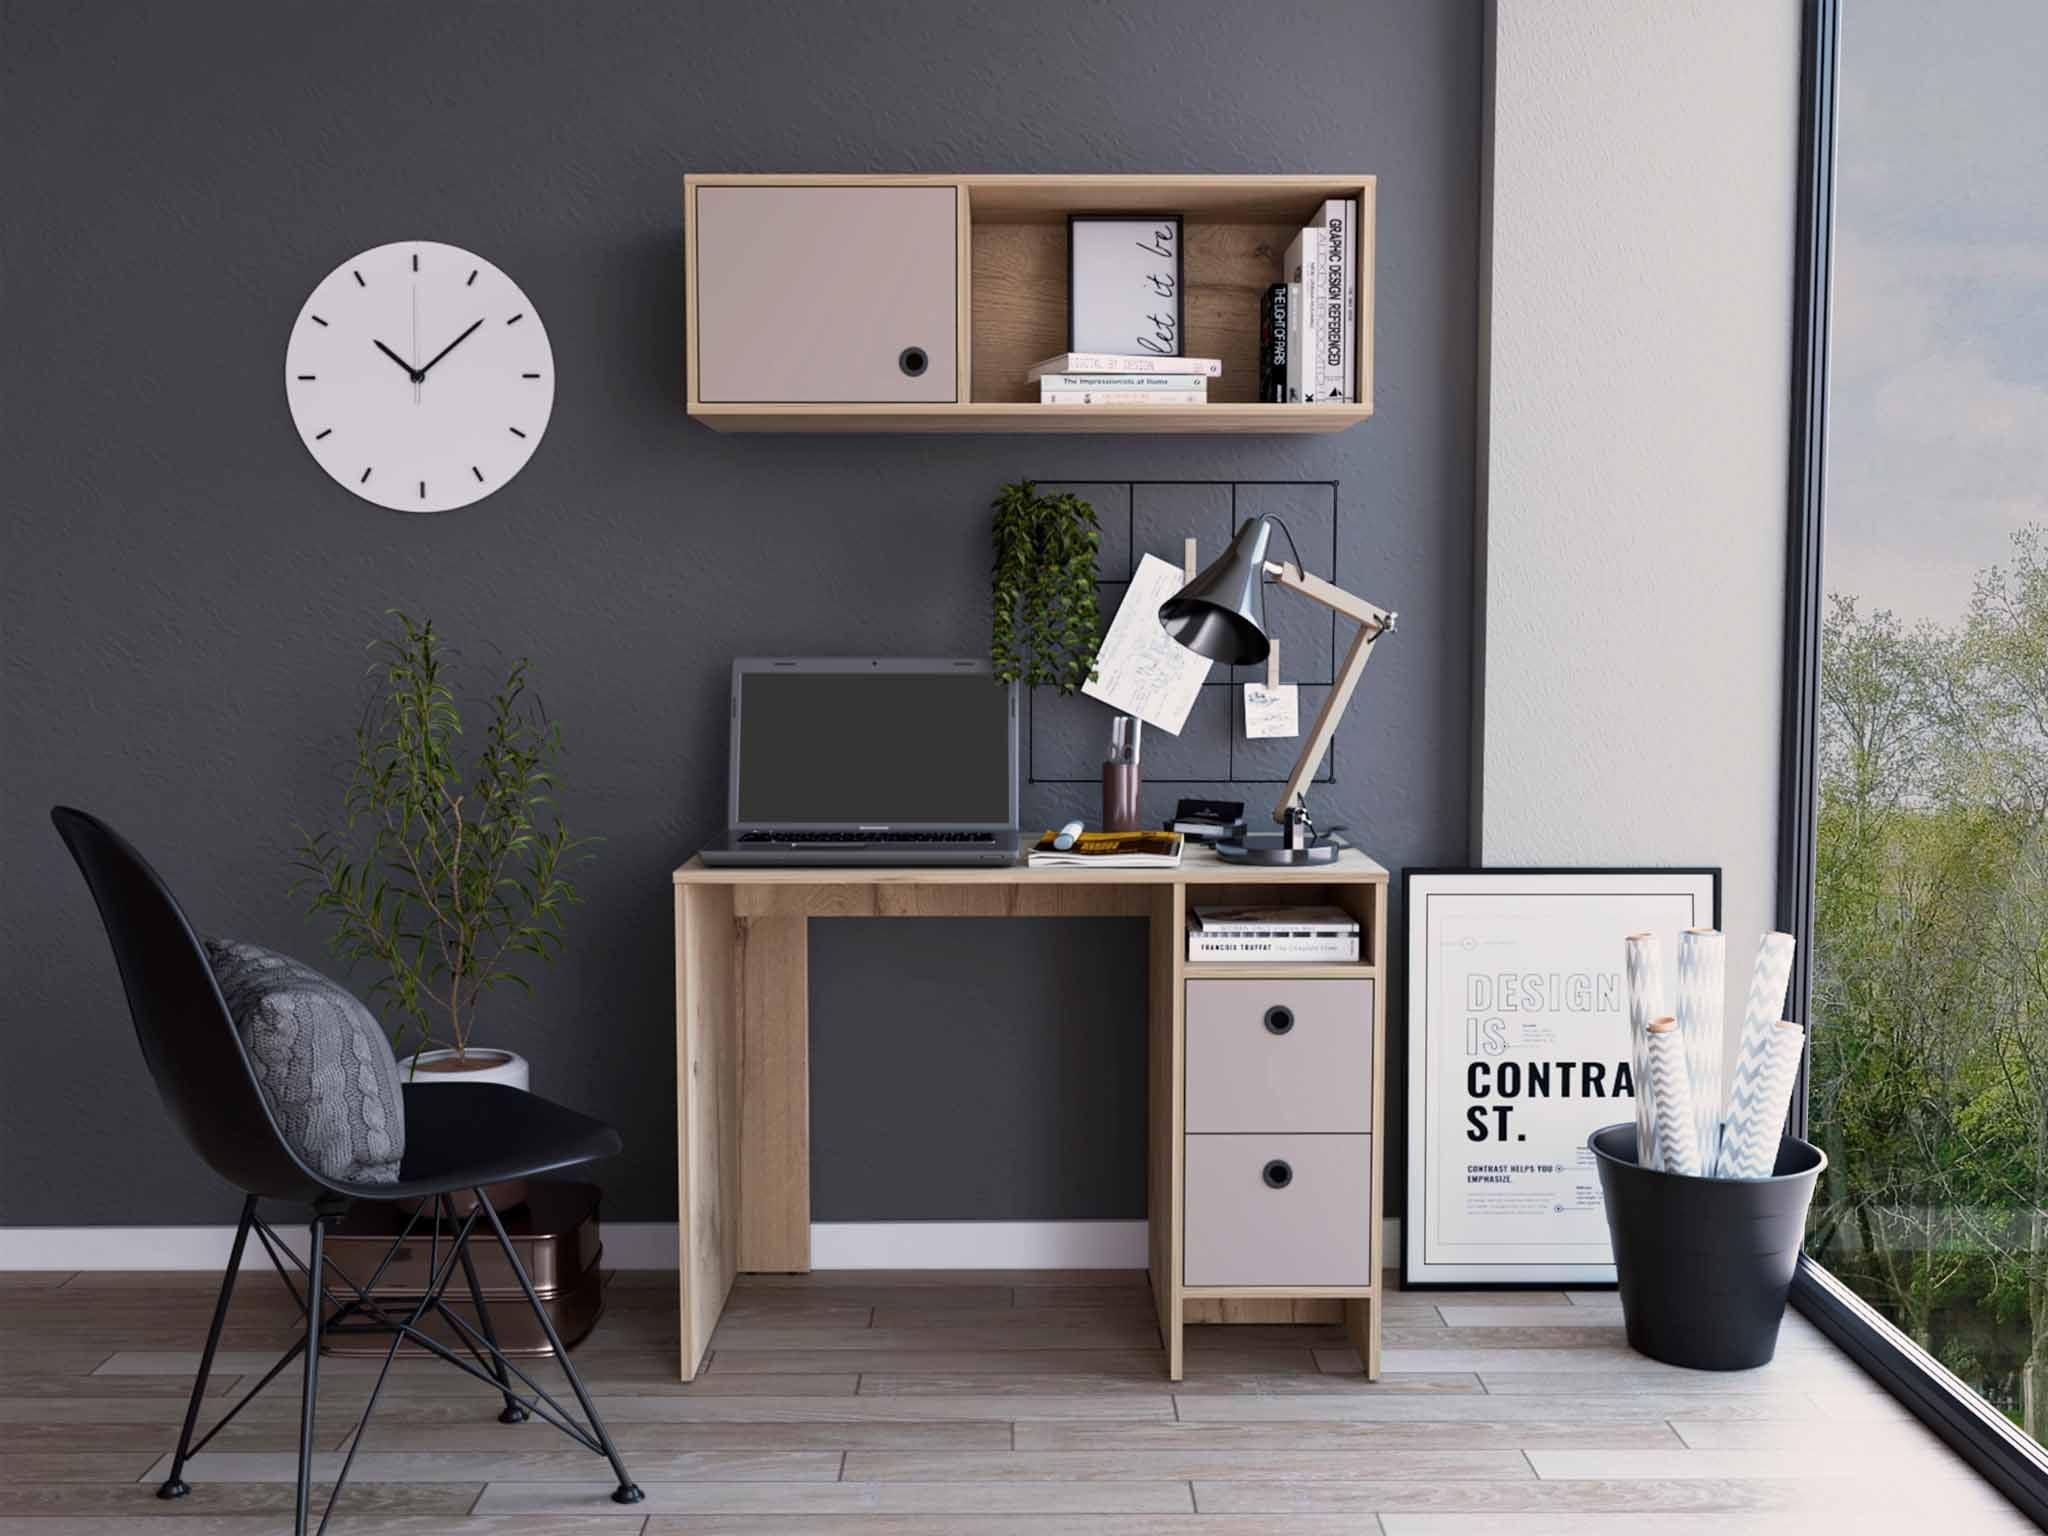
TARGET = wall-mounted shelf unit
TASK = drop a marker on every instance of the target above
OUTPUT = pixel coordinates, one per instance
(841, 304)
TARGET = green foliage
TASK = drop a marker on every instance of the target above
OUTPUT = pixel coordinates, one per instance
(1043, 625)
(443, 879)
(1929, 1080)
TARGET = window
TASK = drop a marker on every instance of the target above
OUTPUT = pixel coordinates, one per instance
(1919, 698)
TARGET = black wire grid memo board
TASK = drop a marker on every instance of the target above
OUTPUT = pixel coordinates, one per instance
(1066, 736)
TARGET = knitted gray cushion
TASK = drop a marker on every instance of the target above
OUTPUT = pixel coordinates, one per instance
(322, 1061)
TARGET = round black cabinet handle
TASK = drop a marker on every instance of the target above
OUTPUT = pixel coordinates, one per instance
(1279, 1019)
(913, 361)
(1278, 1174)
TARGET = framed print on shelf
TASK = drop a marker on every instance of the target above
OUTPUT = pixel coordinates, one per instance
(1518, 1049)
(1124, 284)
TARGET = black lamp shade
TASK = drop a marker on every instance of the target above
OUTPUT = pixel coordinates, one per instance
(1221, 614)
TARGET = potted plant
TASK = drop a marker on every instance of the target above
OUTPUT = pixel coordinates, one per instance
(445, 878)
(1043, 624)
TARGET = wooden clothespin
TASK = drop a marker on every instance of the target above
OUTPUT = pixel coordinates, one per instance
(1273, 665)
(1187, 560)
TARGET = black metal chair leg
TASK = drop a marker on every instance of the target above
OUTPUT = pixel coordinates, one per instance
(175, 1486)
(514, 1412)
(628, 1491)
(311, 1391)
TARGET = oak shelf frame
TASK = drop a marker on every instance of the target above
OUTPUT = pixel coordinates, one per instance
(1011, 284)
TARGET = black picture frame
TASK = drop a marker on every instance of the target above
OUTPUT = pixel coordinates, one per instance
(1180, 274)
(1398, 1001)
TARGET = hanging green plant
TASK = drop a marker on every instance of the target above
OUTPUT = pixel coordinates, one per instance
(1043, 623)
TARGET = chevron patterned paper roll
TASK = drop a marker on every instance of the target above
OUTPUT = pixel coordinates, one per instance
(1757, 1096)
(1645, 1002)
(1670, 1088)
(1702, 973)
(1765, 1004)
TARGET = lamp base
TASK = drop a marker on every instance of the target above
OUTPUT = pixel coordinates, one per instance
(1271, 848)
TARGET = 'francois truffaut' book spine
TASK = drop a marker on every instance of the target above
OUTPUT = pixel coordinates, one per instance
(1273, 329)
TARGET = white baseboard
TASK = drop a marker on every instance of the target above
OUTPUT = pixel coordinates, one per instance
(652, 1245)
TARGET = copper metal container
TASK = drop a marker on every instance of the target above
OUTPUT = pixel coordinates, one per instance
(556, 1235)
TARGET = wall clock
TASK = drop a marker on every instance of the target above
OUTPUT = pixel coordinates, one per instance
(419, 376)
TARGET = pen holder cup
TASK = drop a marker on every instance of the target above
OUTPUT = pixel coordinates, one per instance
(1704, 1265)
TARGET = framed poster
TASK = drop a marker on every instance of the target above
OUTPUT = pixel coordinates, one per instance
(1124, 281)
(1518, 1049)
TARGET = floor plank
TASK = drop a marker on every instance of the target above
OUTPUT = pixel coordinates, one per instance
(979, 1404)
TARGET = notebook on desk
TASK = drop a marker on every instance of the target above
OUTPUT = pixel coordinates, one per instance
(870, 761)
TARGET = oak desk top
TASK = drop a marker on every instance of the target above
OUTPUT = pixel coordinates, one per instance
(1198, 866)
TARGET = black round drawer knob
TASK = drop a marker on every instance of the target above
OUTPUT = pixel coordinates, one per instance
(1279, 1019)
(913, 361)
(1278, 1174)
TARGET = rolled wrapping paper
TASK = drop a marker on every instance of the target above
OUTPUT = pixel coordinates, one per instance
(1702, 972)
(1645, 1002)
(1758, 1096)
(1670, 1087)
(1760, 1014)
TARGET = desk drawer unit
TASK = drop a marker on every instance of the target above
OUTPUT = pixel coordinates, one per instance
(1279, 1056)
(1278, 1210)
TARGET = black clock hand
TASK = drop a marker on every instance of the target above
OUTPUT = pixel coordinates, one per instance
(458, 341)
(415, 374)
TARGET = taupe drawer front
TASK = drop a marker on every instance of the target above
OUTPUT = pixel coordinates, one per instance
(1278, 1210)
(1279, 1056)
(826, 294)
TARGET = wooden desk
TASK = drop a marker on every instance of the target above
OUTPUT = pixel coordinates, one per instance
(743, 1059)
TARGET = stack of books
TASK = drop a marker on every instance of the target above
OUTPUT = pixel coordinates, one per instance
(1245, 935)
(1110, 378)
(1308, 327)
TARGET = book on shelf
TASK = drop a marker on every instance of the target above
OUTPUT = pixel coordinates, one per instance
(1303, 266)
(1242, 934)
(1273, 326)
(1292, 382)
(1124, 362)
(1123, 396)
(1337, 294)
(1191, 381)
(1109, 850)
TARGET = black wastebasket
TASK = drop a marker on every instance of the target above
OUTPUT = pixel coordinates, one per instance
(1704, 1264)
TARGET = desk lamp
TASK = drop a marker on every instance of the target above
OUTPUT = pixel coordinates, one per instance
(1221, 614)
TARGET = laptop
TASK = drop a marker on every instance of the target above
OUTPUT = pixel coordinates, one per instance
(870, 761)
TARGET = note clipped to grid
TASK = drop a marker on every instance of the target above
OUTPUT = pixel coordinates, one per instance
(1272, 711)
(1141, 669)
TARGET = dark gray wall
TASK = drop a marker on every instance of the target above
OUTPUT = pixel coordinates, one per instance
(186, 595)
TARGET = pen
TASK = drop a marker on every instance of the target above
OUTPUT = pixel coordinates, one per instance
(1068, 836)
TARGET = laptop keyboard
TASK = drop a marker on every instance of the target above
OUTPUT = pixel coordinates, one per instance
(985, 839)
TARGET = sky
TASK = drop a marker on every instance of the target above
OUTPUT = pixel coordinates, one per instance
(1938, 420)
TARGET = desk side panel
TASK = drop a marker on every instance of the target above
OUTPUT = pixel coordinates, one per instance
(775, 1095)
(707, 1111)
(1163, 1133)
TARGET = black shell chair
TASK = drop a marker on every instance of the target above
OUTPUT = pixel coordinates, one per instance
(459, 1139)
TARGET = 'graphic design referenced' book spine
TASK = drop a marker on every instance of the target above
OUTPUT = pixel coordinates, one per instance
(1337, 296)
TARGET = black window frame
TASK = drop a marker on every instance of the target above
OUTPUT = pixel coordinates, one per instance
(2005, 1456)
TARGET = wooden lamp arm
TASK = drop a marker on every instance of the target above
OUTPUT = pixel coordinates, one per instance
(1372, 622)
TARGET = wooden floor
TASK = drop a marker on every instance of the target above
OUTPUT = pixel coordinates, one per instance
(978, 1404)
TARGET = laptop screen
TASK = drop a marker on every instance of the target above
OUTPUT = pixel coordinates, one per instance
(873, 749)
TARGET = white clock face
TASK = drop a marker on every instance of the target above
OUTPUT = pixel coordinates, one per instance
(420, 376)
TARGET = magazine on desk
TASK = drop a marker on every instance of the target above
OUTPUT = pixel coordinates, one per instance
(1110, 850)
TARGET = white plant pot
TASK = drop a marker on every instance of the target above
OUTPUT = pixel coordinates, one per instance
(480, 1064)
